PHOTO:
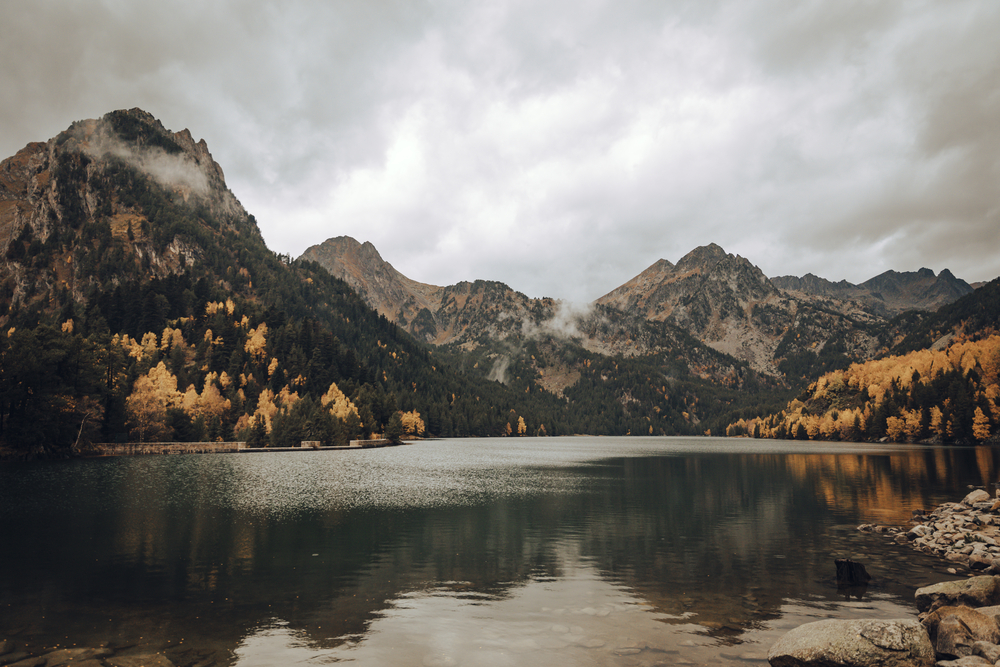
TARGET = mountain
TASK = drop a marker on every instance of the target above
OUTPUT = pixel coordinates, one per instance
(592, 356)
(138, 300)
(438, 315)
(726, 302)
(888, 293)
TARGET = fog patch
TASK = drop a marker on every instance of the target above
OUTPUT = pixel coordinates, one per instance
(563, 324)
(172, 170)
(499, 370)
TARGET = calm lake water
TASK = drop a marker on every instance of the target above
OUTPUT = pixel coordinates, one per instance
(569, 551)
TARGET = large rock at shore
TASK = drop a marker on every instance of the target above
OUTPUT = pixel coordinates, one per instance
(954, 630)
(965, 661)
(975, 592)
(858, 643)
(977, 496)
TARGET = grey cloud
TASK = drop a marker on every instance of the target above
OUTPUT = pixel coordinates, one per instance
(559, 147)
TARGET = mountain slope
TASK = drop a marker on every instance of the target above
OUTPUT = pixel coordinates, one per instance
(458, 313)
(592, 356)
(729, 304)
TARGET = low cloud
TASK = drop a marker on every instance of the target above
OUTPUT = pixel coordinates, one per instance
(172, 170)
(563, 324)
(498, 372)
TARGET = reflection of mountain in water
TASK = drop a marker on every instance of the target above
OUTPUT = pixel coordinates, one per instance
(720, 540)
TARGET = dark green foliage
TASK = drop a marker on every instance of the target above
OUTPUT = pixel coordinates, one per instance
(977, 313)
(133, 126)
(50, 388)
(394, 429)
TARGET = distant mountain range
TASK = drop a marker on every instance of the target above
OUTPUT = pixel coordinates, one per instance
(888, 293)
(720, 299)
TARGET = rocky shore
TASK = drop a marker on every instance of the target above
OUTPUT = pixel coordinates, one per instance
(966, 533)
(959, 621)
(12, 655)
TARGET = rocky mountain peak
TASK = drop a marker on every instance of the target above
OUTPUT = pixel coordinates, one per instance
(120, 191)
(702, 258)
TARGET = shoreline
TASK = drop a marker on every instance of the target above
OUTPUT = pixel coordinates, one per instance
(966, 533)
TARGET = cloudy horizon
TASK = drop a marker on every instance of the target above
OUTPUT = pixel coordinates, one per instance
(559, 147)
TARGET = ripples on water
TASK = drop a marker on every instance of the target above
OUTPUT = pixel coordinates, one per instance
(624, 551)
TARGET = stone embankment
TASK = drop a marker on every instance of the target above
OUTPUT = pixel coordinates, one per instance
(959, 621)
(143, 448)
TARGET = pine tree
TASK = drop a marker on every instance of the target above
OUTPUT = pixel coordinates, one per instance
(980, 425)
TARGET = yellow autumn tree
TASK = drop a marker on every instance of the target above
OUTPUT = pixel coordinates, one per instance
(339, 405)
(146, 407)
(937, 422)
(895, 429)
(412, 423)
(256, 344)
(266, 408)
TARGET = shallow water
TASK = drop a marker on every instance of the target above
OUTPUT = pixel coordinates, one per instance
(576, 551)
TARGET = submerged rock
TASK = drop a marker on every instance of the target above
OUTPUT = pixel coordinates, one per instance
(850, 573)
(855, 643)
(977, 496)
(148, 660)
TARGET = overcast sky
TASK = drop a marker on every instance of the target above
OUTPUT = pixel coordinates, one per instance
(558, 146)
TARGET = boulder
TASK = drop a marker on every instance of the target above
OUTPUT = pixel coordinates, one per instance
(977, 496)
(992, 612)
(953, 638)
(983, 591)
(991, 652)
(980, 561)
(967, 661)
(854, 643)
(850, 573)
(954, 630)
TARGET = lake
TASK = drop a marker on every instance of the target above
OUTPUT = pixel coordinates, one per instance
(530, 551)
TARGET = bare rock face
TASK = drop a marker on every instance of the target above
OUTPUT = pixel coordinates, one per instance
(857, 643)
(982, 591)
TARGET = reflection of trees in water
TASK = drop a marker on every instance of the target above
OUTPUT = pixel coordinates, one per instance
(727, 538)
(731, 538)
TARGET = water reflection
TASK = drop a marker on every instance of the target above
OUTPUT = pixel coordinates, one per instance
(596, 550)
